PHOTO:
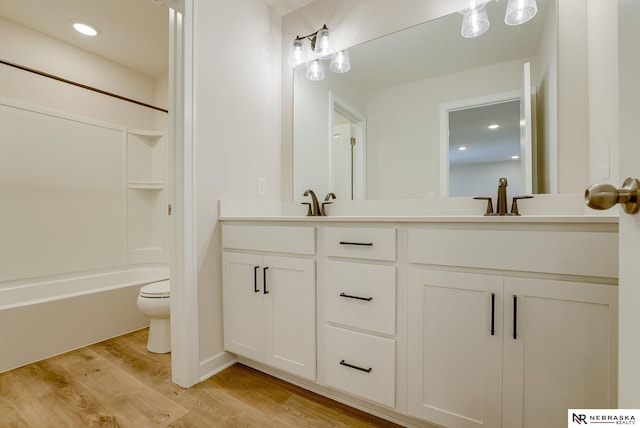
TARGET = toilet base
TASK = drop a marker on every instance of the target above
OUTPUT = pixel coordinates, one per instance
(159, 336)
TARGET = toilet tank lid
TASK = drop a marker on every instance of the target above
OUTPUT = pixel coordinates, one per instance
(155, 289)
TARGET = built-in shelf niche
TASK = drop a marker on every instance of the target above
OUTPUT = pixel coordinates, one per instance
(146, 196)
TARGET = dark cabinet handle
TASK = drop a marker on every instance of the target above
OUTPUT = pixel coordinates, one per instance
(515, 317)
(351, 366)
(493, 314)
(368, 299)
(364, 244)
(264, 280)
(255, 279)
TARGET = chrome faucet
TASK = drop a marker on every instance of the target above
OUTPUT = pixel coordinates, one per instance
(314, 207)
(327, 201)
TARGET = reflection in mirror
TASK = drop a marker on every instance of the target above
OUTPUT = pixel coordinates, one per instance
(347, 152)
(398, 83)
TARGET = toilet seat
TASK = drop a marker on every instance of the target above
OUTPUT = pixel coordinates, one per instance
(156, 290)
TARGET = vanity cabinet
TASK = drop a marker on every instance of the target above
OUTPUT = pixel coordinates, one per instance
(359, 300)
(508, 348)
(495, 323)
(269, 300)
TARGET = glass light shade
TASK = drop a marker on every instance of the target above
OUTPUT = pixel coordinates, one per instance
(324, 45)
(340, 62)
(297, 54)
(315, 70)
(475, 22)
(520, 11)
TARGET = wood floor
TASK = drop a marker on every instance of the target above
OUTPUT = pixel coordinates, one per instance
(118, 383)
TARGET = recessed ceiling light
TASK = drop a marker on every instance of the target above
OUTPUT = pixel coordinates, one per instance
(493, 126)
(515, 157)
(85, 28)
(463, 148)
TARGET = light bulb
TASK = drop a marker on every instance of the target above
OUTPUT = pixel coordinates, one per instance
(297, 54)
(324, 45)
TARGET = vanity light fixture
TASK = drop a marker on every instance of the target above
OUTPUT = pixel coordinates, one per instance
(475, 21)
(463, 148)
(493, 126)
(319, 47)
(85, 28)
(515, 157)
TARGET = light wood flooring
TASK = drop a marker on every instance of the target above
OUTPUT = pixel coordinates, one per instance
(117, 383)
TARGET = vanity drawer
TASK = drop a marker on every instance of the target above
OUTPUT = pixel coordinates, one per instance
(361, 243)
(361, 295)
(277, 239)
(372, 360)
(560, 252)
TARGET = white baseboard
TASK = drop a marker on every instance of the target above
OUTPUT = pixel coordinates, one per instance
(215, 365)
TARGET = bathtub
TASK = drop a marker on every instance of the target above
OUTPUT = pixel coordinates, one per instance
(46, 317)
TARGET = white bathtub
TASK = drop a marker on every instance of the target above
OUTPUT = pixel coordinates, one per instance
(43, 318)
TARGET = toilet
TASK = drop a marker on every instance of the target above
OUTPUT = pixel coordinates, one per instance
(153, 302)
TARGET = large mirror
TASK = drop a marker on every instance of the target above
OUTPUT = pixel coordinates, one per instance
(416, 115)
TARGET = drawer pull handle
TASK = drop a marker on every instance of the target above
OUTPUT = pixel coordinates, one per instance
(368, 299)
(493, 314)
(264, 280)
(342, 363)
(515, 317)
(363, 244)
(255, 279)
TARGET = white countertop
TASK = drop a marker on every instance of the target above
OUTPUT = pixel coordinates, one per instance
(434, 219)
(567, 208)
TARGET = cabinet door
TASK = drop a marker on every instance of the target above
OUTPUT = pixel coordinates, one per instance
(455, 359)
(563, 353)
(243, 304)
(290, 315)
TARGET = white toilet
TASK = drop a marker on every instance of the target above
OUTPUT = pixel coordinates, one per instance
(153, 302)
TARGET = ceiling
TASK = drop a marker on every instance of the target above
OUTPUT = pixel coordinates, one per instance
(134, 33)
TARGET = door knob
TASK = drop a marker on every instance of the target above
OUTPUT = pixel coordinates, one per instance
(605, 196)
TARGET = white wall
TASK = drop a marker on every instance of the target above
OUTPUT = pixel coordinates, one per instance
(546, 82)
(238, 75)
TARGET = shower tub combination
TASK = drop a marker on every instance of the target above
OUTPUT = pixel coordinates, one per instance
(42, 319)
(83, 229)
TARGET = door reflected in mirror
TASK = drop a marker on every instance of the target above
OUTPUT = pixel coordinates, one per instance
(484, 143)
(347, 152)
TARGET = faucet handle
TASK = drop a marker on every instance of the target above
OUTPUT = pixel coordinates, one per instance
(309, 212)
(327, 201)
(489, 203)
(514, 204)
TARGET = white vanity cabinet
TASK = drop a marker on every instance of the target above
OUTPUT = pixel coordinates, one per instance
(269, 297)
(516, 346)
(359, 316)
